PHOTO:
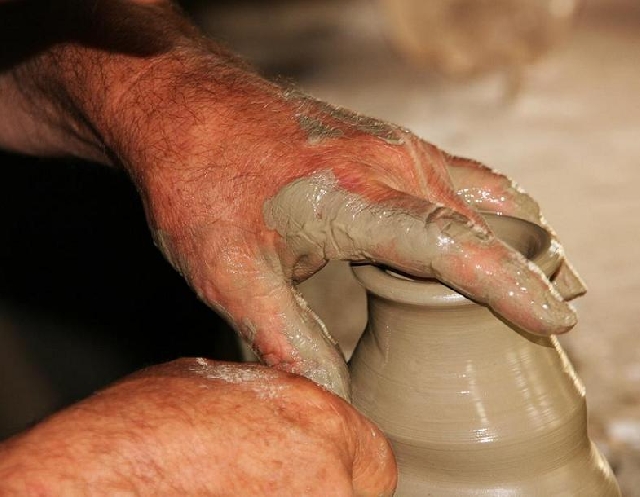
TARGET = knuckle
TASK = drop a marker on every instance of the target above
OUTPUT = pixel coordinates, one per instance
(331, 411)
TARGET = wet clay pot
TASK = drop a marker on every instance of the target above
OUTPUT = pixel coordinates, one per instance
(471, 405)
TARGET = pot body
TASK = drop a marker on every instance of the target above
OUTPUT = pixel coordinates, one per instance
(472, 406)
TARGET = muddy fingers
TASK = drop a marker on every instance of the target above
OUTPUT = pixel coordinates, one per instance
(488, 190)
(423, 239)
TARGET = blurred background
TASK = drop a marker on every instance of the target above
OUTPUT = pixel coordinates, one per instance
(546, 91)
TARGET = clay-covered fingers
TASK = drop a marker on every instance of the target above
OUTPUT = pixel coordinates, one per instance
(487, 190)
(421, 238)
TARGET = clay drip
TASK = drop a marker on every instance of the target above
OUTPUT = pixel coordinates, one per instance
(472, 406)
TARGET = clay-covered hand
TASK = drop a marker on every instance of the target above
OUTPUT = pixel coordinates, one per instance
(250, 187)
(248, 205)
(197, 427)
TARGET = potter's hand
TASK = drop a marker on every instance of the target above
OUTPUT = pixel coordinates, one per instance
(193, 427)
(250, 187)
(292, 183)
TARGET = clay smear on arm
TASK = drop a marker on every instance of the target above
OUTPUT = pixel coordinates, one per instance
(321, 120)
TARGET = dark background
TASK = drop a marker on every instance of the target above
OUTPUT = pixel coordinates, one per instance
(90, 298)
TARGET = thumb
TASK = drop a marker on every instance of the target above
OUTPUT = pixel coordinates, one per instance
(284, 332)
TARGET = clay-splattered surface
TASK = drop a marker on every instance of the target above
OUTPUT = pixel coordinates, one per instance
(571, 137)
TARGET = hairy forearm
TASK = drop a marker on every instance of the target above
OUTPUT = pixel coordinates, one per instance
(65, 455)
(105, 445)
(103, 75)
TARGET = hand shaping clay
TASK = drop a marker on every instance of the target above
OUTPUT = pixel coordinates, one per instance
(472, 406)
